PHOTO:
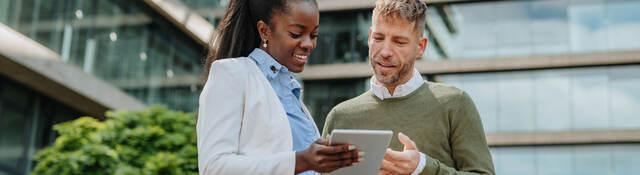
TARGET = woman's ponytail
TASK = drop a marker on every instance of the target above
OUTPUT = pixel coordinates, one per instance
(236, 34)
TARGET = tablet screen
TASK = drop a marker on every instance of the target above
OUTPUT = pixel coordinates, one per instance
(373, 142)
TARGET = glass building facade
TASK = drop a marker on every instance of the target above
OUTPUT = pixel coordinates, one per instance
(342, 37)
(539, 27)
(591, 98)
(212, 10)
(125, 43)
(497, 29)
(26, 120)
(137, 49)
(521, 101)
(567, 159)
(321, 96)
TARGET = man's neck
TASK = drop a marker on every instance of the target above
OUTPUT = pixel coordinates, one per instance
(392, 87)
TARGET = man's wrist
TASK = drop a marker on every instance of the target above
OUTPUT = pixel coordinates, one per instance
(422, 162)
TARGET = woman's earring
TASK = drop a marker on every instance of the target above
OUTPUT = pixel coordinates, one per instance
(265, 44)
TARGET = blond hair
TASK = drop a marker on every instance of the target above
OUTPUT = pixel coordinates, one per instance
(410, 10)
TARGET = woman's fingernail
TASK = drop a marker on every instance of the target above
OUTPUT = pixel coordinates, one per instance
(352, 147)
(360, 159)
(361, 153)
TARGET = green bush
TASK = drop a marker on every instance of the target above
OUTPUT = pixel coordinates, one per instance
(152, 141)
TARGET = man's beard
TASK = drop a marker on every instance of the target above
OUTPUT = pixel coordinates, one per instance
(393, 79)
(382, 78)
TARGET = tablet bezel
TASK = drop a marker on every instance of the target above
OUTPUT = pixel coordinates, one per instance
(373, 142)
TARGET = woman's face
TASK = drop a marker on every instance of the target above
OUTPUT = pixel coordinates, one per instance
(293, 35)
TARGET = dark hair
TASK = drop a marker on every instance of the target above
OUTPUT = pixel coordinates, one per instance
(237, 34)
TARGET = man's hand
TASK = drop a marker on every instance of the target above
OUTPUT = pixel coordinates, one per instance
(404, 162)
(323, 159)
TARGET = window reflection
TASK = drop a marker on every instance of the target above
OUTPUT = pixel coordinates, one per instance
(590, 103)
(212, 10)
(593, 98)
(593, 160)
(556, 160)
(521, 28)
(26, 125)
(107, 39)
(516, 160)
(610, 159)
(12, 136)
(321, 96)
(625, 97)
(515, 89)
(342, 37)
(625, 159)
(553, 98)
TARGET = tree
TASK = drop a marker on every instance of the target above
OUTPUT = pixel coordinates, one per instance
(152, 141)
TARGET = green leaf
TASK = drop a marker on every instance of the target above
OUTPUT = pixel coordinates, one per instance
(151, 141)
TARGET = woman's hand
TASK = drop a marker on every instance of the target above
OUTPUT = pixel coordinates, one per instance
(323, 159)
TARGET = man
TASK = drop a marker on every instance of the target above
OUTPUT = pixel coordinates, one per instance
(443, 121)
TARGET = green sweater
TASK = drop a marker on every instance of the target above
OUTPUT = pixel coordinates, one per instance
(442, 120)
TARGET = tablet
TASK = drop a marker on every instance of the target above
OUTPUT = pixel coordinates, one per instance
(373, 142)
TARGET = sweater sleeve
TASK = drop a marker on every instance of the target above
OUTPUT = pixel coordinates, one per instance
(328, 124)
(468, 143)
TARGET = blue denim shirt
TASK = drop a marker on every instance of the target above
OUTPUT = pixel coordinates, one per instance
(288, 90)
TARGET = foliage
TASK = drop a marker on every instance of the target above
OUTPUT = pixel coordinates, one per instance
(152, 141)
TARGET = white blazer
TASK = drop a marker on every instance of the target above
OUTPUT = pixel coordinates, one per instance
(242, 127)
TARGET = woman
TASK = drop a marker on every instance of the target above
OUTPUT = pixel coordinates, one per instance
(251, 120)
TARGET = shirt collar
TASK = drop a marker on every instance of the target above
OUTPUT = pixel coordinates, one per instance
(400, 91)
(277, 74)
(267, 64)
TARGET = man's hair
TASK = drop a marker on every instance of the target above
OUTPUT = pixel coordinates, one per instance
(409, 10)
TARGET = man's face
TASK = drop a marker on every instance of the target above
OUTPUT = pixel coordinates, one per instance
(394, 45)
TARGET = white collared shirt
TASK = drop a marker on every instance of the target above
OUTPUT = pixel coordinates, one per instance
(400, 91)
